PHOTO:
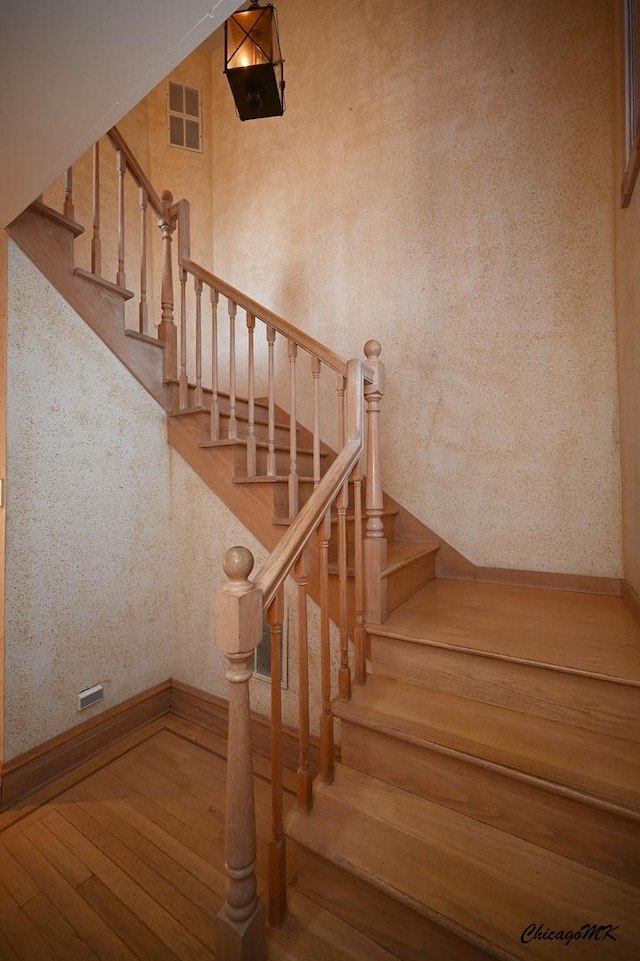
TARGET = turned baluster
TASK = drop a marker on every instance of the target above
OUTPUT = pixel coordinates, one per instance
(143, 315)
(238, 626)
(293, 433)
(359, 669)
(215, 400)
(271, 428)
(67, 207)
(326, 717)
(121, 277)
(278, 843)
(197, 397)
(344, 678)
(315, 373)
(96, 252)
(183, 384)
(167, 330)
(233, 423)
(375, 544)
(305, 781)
(251, 425)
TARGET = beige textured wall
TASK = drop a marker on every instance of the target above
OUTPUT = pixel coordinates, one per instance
(87, 520)
(442, 180)
(628, 326)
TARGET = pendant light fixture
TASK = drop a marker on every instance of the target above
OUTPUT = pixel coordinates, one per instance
(253, 62)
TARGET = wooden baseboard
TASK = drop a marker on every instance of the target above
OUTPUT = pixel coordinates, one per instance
(212, 712)
(582, 583)
(632, 599)
(34, 769)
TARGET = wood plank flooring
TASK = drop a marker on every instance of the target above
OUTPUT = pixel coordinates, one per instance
(124, 859)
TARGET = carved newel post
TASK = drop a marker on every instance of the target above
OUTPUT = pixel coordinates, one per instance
(375, 543)
(238, 620)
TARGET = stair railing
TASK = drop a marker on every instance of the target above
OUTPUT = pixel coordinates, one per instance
(255, 402)
(238, 619)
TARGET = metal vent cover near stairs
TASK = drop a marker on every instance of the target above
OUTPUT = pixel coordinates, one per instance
(262, 653)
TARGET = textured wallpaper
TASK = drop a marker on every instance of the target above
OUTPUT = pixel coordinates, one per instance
(442, 180)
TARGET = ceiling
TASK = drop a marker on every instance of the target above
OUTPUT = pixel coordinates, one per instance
(69, 70)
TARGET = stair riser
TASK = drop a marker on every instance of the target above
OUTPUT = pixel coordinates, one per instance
(281, 434)
(402, 584)
(586, 702)
(407, 934)
(282, 462)
(581, 831)
(281, 497)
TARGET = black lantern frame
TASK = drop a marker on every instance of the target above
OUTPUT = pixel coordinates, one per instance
(253, 63)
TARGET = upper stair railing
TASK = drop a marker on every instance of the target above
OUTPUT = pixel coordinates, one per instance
(252, 387)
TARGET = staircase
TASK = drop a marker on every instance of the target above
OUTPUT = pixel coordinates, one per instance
(489, 791)
(487, 799)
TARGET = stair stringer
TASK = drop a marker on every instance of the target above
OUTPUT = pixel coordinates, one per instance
(46, 237)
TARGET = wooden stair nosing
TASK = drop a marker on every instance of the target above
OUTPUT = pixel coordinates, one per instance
(479, 754)
(56, 217)
(99, 281)
(404, 552)
(382, 631)
(454, 858)
(145, 338)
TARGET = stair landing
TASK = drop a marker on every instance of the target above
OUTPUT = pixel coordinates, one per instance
(592, 634)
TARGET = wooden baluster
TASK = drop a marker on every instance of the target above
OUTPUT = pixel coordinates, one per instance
(305, 781)
(233, 423)
(167, 330)
(326, 717)
(67, 208)
(251, 425)
(215, 400)
(238, 626)
(278, 843)
(271, 429)
(359, 636)
(121, 277)
(293, 433)
(375, 544)
(344, 677)
(315, 373)
(197, 397)
(96, 251)
(143, 313)
(183, 386)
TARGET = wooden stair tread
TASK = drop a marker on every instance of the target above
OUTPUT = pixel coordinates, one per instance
(466, 875)
(591, 634)
(600, 767)
(260, 444)
(403, 552)
(145, 338)
(274, 479)
(315, 934)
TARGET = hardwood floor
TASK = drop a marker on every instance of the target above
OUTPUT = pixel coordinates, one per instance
(124, 859)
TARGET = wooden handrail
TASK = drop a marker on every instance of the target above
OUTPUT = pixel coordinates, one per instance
(135, 169)
(303, 340)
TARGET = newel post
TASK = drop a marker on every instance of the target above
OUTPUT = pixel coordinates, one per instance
(167, 330)
(238, 626)
(375, 544)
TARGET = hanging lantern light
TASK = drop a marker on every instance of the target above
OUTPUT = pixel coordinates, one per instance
(253, 63)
